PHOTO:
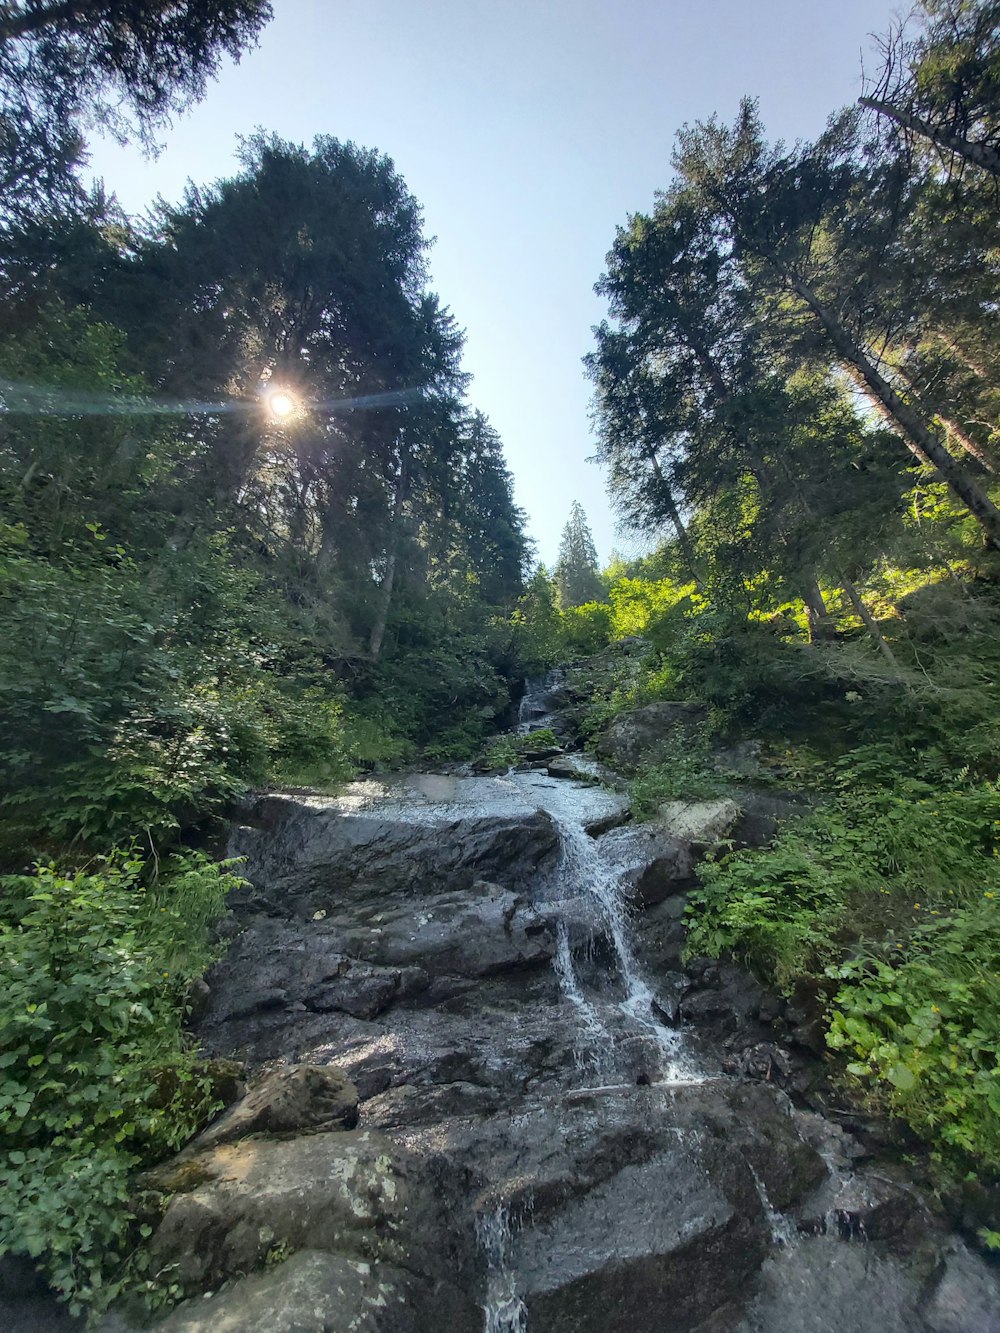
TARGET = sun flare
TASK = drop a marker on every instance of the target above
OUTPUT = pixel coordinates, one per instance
(281, 405)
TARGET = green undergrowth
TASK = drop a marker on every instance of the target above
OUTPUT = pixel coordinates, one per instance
(687, 775)
(97, 1075)
(884, 902)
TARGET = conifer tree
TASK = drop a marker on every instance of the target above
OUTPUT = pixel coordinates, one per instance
(577, 577)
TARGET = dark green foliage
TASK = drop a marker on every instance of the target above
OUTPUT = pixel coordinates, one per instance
(889, 888)
(96, 1075)
(920, 1021)
(506, 751)
(125, 64)
(586, 629)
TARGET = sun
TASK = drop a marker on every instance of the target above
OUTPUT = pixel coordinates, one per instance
(281, 404)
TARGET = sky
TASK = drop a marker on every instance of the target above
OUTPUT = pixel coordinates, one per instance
(529, 130)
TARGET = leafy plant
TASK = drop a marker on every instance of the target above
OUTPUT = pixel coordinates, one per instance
(921, 1023)
(685, 776)
(505, 751)
(96, 1073)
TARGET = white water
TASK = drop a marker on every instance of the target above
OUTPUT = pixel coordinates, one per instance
(534, 711)
(782, 1230)
(609, 1022)
(582, 869)
(594, 1038)
(503, 1309)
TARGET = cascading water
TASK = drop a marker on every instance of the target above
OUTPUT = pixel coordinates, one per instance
(536, 709)
(583, 870)
(594, 1037)
(503, 1309)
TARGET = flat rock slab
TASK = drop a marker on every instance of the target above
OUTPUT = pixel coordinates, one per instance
(381, 842)
(310, 1292)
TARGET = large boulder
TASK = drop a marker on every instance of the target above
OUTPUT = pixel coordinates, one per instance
(699, 823)
(648, 735)
(296, 1099)
(611, 1200)
(247, 1201)
(304, 854)
(651, 863)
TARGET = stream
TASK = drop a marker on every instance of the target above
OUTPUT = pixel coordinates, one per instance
(542, 1143)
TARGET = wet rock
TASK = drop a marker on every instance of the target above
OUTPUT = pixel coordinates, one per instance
(964, 1298)
(310, 1292)
(645, 736)
(567, 766)
(497, 1091)
(652, 864)
(361, 961)
(339, 1192)
(305, 855)
(764, 1061)
(295, 1099)
(541, 754)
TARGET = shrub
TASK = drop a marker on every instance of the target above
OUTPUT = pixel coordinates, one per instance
(96, 1074)
(922, 1023)
(585, 629)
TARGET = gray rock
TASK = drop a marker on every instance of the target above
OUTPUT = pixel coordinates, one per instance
(761, 814)
(295, 1099)
(701, 823)
(406, 942)
(648, 735)
(310, 1292)
(654, 865)
(305, 855)
(341, 1192)
(965, 1298)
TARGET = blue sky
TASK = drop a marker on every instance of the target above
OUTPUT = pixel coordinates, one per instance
(529, 130)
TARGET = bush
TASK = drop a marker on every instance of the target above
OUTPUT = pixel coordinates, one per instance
(892, 892)
(872, 861)
(585, 629)
(685, 776)
(96, 1074)
(504, 752)
(922, 1023)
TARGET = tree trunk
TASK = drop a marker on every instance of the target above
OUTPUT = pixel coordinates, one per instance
(917, 434)
(868, 620)
(683, 540)
(384, 601)
(979, 154)
(968, 444)
(960, 354)
(817, 615)
(953, 429)
(391, 558)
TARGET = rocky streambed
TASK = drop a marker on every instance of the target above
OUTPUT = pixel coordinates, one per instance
(485, 1095)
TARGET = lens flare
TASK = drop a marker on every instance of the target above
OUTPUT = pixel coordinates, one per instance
(281, 405)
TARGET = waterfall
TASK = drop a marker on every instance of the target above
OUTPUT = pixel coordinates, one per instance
(595, 1039)
(503, 1309)
(582, 870)
(535, 710)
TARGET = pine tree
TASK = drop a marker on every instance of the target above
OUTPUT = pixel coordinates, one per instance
(577, 578)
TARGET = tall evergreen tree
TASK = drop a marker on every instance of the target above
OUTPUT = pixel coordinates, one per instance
(576, 574)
